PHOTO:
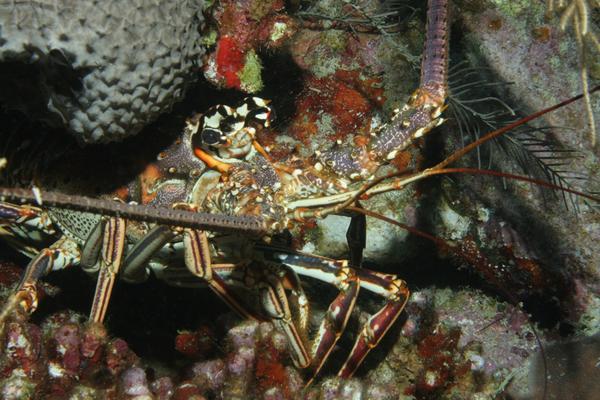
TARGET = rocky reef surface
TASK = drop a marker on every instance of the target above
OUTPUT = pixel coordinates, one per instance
(449, 345)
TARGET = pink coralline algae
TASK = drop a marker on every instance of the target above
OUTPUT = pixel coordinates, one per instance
(65, 356)
(135, 383)
(256, 366)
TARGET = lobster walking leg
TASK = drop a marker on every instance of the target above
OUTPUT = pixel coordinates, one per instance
(16, 222)
(134, 266)
(348, 280)
(276, 304)
(356, 237)
(198, 261)
(292, 282)
(397, 295)
(62, 254)
(336, 318)
(332, 326)
(113, 246)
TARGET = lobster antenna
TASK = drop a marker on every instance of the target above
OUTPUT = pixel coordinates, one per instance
(158, 215)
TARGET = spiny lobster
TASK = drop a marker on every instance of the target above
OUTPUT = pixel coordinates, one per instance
(241, 192)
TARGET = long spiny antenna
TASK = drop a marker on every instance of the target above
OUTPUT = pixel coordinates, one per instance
(162, 215)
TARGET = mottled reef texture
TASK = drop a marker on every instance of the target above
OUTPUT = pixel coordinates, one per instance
(450, 344)
(103, 69)
(464, 334)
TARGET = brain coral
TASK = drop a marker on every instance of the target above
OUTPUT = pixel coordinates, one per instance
(104, 69)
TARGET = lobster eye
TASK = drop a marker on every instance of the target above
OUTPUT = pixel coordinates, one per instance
(207, 137)
(211, 137)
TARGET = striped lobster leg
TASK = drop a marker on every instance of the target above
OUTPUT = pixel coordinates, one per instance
(348, 280)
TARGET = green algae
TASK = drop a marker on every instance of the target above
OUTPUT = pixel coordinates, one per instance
(250, 76)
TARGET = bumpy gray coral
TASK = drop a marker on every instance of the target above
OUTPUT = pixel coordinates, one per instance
(107, 68)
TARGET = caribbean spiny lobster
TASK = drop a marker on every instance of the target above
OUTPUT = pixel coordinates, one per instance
(219, 173)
